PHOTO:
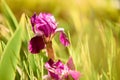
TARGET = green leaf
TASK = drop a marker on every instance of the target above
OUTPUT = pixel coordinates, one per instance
(10, 16)
(10, 56)
(2, 46)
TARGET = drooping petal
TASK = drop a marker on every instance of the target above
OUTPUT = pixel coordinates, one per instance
(36, 44)
(33, 18)
(63, 39)
(75, 75)
(70, 64)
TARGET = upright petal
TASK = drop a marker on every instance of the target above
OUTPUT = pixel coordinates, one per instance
(63, 39)
(44, 28)
(36, 44)
(33, 18)
(46, 23)
(50, 19)
(70, 64)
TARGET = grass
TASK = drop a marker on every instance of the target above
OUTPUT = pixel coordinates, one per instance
(93, 31)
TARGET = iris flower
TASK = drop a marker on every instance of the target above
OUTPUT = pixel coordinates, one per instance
(44, 27)
(59, 71)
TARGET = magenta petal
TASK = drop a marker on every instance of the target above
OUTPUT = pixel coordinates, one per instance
(59, 71)
(75, 75)
(51, 70)
(33, 18)
(36, 44)
(54, 75)
(55, 69)
(45, 23)
(49, 19)
(49, 63)
(70, 64)
(63, 39)
(44, 28)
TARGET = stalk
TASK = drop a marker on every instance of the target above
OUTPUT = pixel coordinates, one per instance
(50, 51)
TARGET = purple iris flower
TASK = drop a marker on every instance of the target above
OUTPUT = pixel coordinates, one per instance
(44, 27)
(59, 71)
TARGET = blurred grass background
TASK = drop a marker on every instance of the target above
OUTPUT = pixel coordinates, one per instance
(93, 26)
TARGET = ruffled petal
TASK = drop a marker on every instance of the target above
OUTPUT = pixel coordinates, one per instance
(59, 64)
(54, 69)
(46, 23)
(44, 28)
(50, 19)
(63, 39)
(36, 44)
(75, 75)
(59, 71)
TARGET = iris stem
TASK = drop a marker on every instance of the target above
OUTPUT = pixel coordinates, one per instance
(50, 50)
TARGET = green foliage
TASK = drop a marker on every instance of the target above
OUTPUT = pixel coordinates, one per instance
(10, 55)
(13, 24)
(9, 58)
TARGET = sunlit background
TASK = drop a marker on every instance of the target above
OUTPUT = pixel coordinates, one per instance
(93, 27)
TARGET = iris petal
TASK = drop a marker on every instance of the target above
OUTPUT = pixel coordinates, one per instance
(70, 64)
(59, 71)
(63, 39)
(49, 63)
(36, 44)
(48, 23)
(33, 18)
(53, 75)
(75, 75)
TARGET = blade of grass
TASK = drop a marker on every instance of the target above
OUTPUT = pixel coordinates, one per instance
(9, 59)
(9, 16)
